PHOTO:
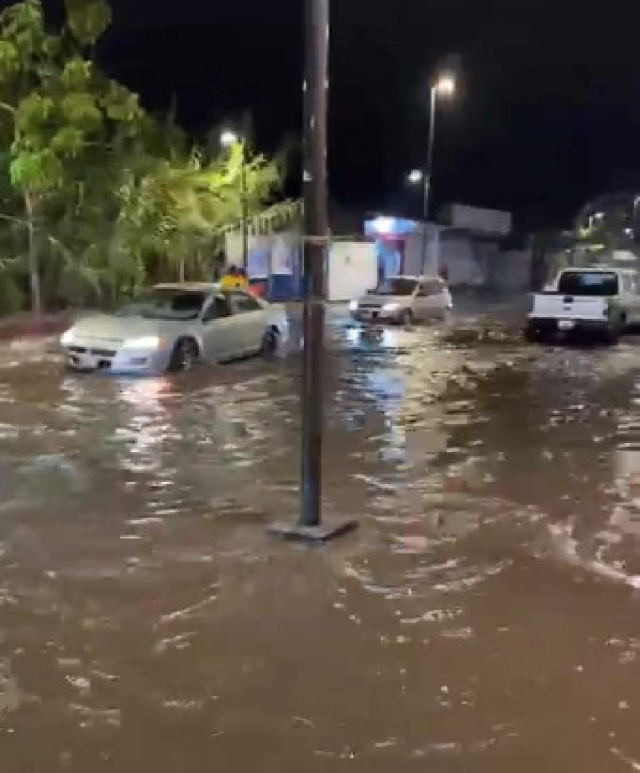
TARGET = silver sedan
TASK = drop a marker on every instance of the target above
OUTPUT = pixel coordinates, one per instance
(172, 326)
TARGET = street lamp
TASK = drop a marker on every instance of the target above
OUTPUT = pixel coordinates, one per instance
(444, 87)
(228, 139)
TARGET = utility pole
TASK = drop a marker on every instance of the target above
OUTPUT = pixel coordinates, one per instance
(245, 208)
(427, 177)
(310, 525)
(432, 136)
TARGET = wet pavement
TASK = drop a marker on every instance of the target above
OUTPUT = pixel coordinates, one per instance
(485, 617)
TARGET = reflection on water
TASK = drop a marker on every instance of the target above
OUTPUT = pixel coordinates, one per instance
(484, 617)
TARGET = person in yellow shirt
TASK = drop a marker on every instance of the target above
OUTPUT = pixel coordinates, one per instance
(234, 279)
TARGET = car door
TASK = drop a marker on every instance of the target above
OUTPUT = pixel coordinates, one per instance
(441, 297)
(218, 329)
(250, 321)
(428, 298)
(421, 302)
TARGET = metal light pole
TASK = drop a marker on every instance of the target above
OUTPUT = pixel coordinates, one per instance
(444, 86)
(310, 525)
(432, 136)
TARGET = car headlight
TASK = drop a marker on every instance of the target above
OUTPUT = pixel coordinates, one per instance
(145, 342)
(67, 337)
(353, 306)
(390, 307)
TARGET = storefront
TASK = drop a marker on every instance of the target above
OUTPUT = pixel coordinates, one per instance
(404, 246)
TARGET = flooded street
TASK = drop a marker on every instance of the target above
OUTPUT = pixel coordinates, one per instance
(485, 617)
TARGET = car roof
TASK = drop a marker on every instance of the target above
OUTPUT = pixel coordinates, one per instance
(208, 287)
(415, 278)
(594, 269)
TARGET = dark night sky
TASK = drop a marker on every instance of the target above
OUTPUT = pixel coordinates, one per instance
(548, 113)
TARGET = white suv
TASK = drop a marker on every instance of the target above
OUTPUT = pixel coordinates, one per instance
(404, 299)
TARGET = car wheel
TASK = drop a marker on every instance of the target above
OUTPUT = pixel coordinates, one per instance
(406, 318)
(270, 343)
(184, 356)
(446, 315)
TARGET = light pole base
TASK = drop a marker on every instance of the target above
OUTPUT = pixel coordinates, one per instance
(329, 529)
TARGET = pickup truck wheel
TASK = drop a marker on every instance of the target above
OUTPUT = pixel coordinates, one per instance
(534, 335)
(612, 335)
(617, 326)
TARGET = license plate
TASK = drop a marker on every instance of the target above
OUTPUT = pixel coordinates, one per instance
(566, 324)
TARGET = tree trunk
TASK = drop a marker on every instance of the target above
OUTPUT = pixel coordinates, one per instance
(32, 258)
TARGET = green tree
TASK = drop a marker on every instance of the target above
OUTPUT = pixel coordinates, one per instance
(180, 206)
(98, 194)
(59, 113)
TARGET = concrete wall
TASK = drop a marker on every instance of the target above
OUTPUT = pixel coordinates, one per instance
(488, 221)
(414, 263)
(352, 266)
(464, 260)
(510, 271)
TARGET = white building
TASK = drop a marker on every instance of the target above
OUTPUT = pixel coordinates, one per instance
(466, 246)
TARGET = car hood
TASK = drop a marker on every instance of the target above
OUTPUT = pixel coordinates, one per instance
(106, 327)
(376, 301)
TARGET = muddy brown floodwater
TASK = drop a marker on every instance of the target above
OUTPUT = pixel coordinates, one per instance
(485, 617)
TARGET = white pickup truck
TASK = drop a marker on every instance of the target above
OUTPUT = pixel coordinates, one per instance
(601, 302)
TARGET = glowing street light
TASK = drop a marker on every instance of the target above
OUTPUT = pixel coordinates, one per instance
(445, 86)
(228, 138)
(415, 177)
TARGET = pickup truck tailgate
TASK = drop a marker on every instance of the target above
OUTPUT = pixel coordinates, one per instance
(558, 306)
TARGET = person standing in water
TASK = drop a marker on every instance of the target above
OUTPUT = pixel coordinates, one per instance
(232, 279)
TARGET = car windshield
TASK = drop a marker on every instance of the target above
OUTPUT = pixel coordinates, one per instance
(594, 283)
(397, 286)
(169, 304)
